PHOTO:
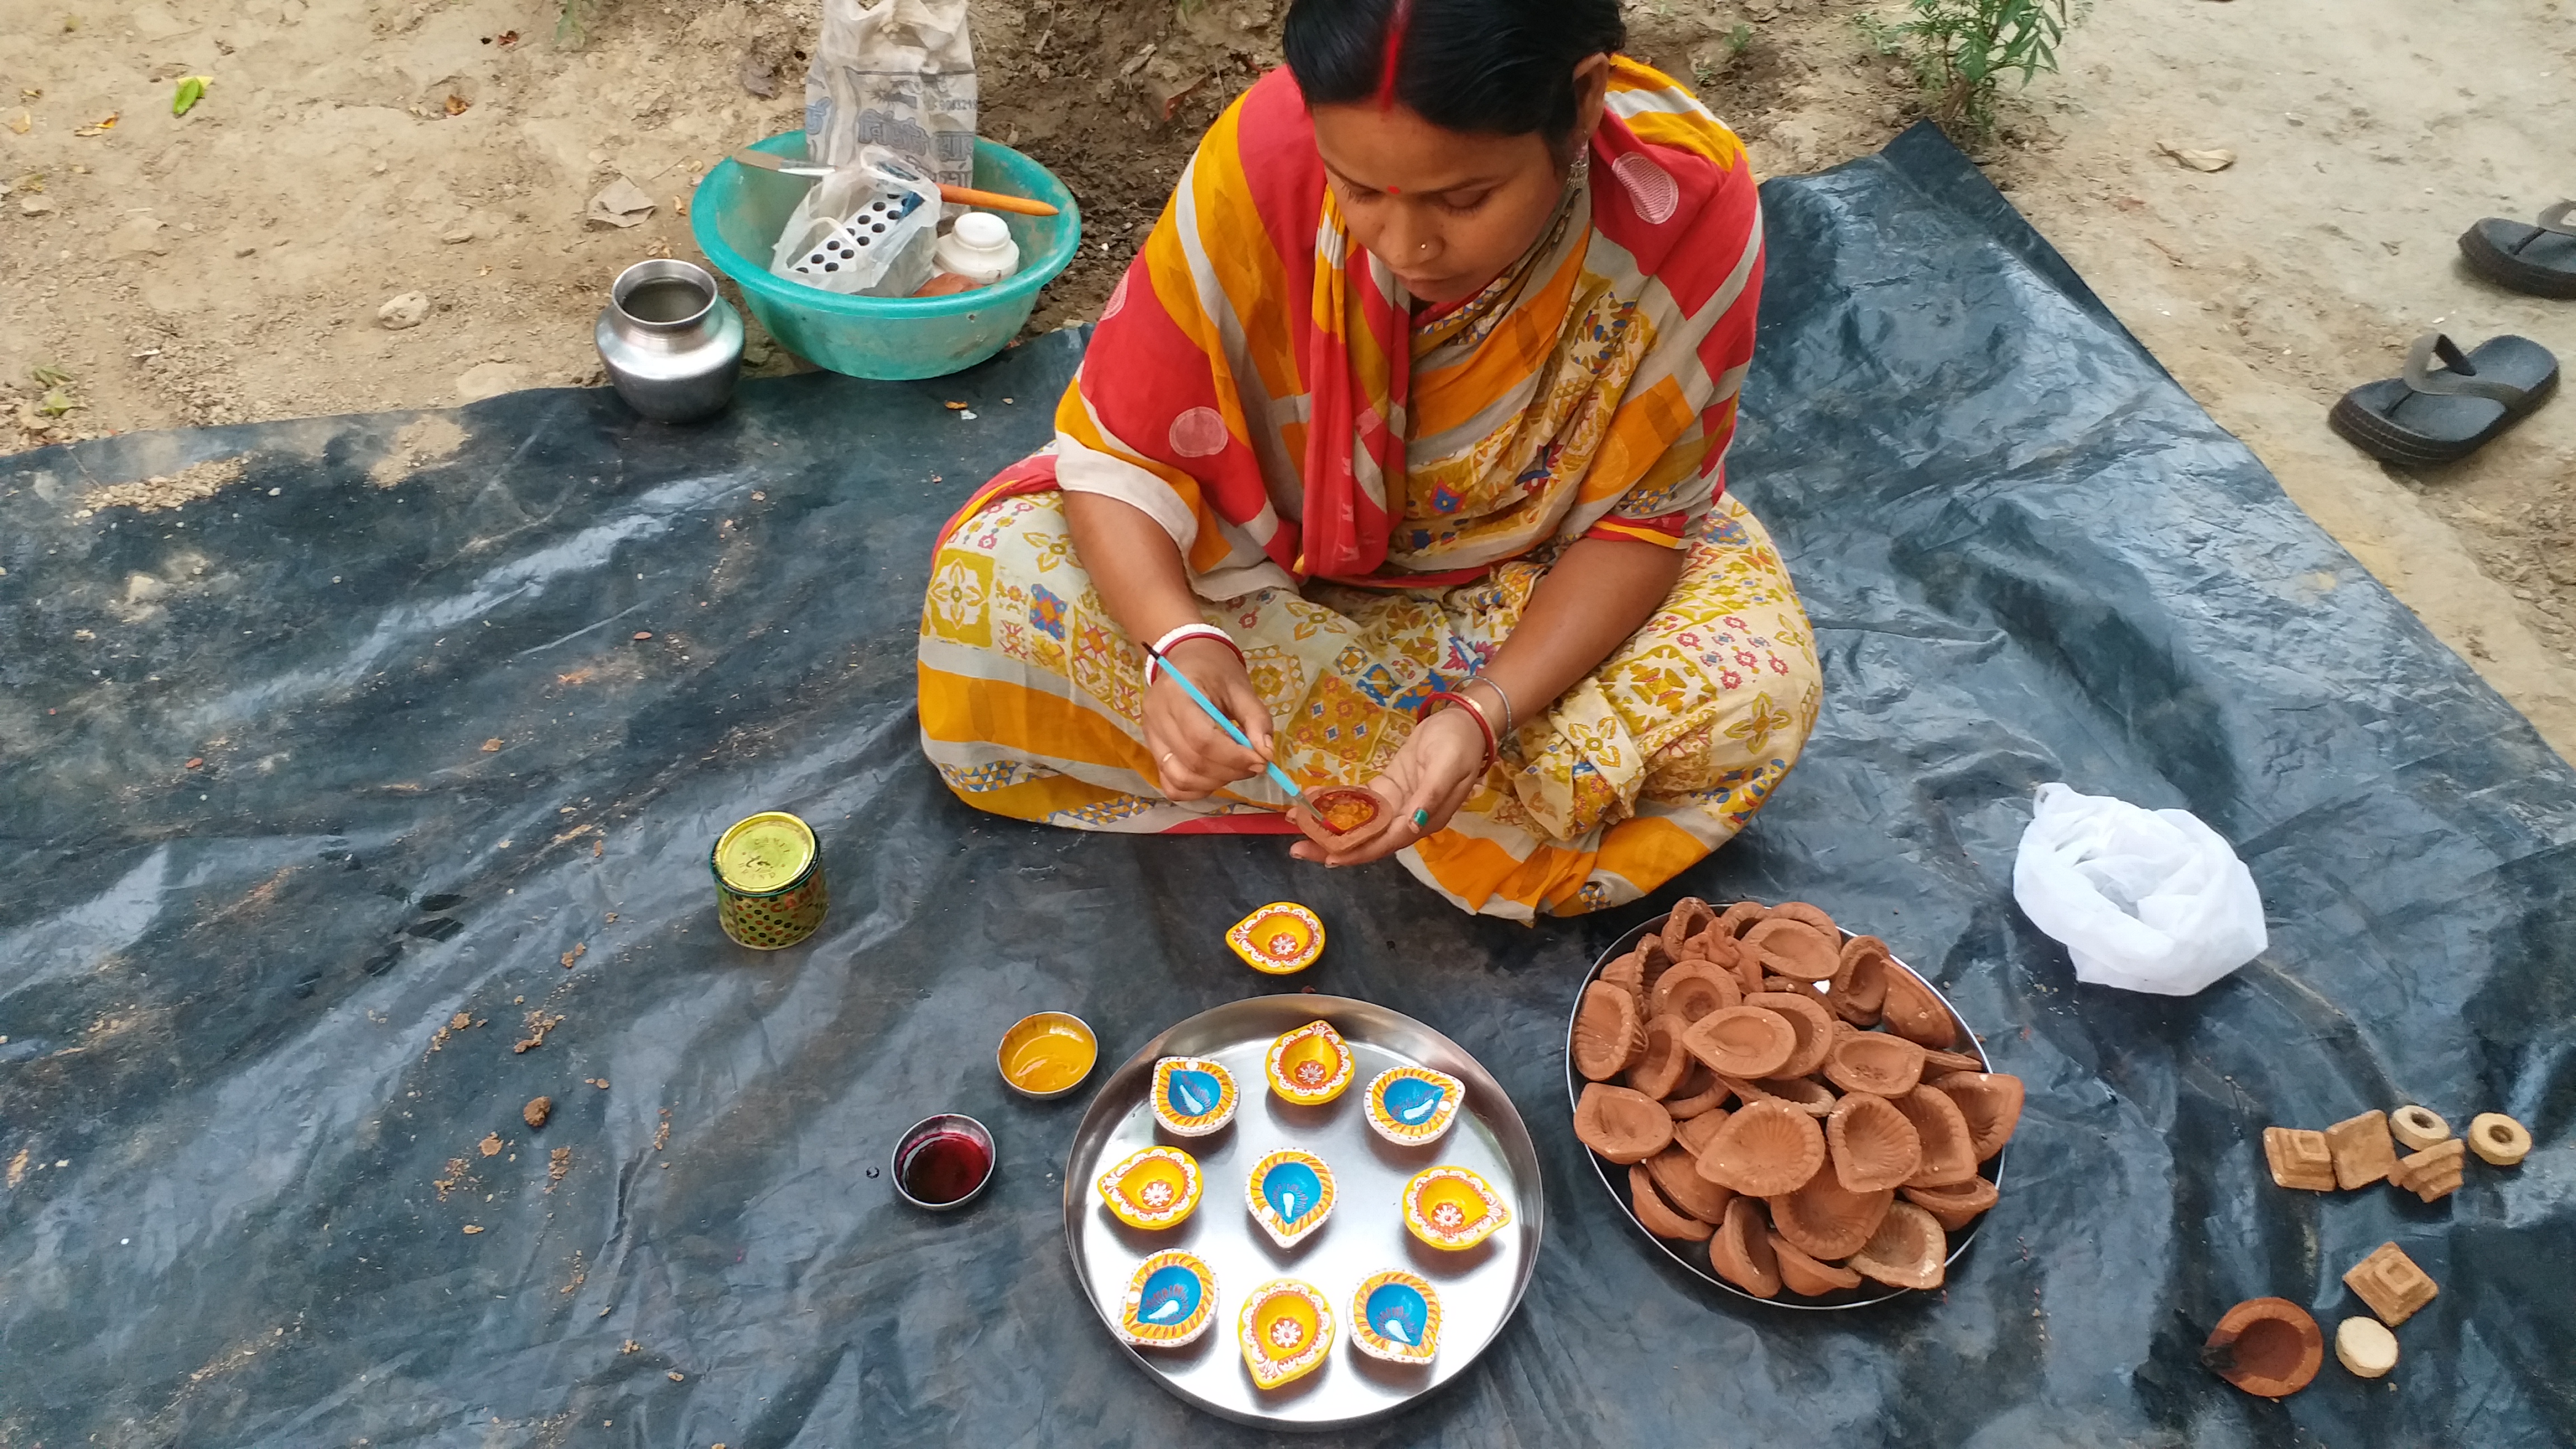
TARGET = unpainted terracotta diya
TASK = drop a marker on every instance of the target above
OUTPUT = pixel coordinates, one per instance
(1170, 1301)
(1809, 1022)
(1193, 1096)
(1876, 1062)
(1453, 1209)
(1802, 1274)
(1609, 1031)
(1280, 939)
(1991, 1103)
(1621, 1124)
(1949, 1152)
(1290, 1194)
(1693, 989)
(1740, 1251)
(1309, 1066)
(1343, 807)
(1829, 1221)
(1907, 1251)
(1742, 1041)
(1152, 1188)
(1660, 1069)
(2269, 1347)
(1285, 1330)
(1396, 1316)
(1655, 1213)
(1953, 1207)
(1766, 1150)
(1411, 1106)
(1795, 949)
(1872, 1145)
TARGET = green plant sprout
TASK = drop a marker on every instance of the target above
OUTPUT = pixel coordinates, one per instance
(1961, 50)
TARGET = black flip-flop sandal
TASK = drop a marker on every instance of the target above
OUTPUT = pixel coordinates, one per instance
(2539, 259)
(2442, 415)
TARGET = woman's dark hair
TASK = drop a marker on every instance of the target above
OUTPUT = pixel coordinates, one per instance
(1503, 67)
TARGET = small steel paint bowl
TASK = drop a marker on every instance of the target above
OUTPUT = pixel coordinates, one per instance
(1045, 1055)
(942, 1162)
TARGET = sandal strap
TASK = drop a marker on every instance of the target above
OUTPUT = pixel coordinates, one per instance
(2461, 379)
(2557, 219)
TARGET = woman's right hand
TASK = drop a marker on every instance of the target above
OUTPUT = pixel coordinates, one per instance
(1193, 755)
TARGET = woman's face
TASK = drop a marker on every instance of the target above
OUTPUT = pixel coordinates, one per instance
(1446, 210)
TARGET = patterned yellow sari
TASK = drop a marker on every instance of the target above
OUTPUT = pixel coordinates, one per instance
(1366, 497)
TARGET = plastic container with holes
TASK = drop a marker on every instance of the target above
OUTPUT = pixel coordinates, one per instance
(736, 215)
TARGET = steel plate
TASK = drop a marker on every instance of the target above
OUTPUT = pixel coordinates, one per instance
(1693, 1258)
(1365, 1234)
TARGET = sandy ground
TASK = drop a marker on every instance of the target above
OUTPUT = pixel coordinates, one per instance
(229, 265)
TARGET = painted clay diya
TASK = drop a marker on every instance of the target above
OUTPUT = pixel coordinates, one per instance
(1343, 807)
(1280, 939)
(1193, 1096)
(1047, 1055)
(1309, 1066)
(1152, 1188)
(1410, 1106)
(1396, 1316)
(1170, 1301)
(1290, 1194)
(1453, 1209)
(1285, 1330)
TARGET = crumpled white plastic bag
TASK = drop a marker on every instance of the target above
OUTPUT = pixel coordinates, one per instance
(2145, 900)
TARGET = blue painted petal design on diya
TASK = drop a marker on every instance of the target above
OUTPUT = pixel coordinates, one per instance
(1396, 1316)
(1285, 1330)
(1170, 1301)
(1152, 1188)
(1290, 1194)
(1193, 1096)
(1309, 1066)
(1410, 1106)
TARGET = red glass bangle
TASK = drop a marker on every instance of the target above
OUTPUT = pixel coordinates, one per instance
(1475, 711)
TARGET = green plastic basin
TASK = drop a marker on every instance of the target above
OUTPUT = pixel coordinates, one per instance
(738, 211)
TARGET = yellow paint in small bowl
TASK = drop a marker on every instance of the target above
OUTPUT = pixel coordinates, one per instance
(1047, 1055)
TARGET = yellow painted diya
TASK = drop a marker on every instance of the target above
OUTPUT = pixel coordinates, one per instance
(1309, 1066)
(1452, 1208)
(1193, 1096)
(1285, 1330)
(1281, 938)
(1153, 1187)
(1410, 1106)
(1290, 1194)
(1170, 1301)
(1396, 1316)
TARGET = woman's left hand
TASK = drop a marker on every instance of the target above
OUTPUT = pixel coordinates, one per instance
(1426, 782)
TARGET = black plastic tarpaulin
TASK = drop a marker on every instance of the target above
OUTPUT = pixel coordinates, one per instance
(322, 797)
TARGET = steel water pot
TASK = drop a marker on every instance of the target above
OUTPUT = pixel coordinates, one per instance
(672, 346)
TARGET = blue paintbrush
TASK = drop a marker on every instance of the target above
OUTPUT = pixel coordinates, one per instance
(1232, 729)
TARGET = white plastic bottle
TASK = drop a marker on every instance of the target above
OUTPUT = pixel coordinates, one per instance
(978, 248)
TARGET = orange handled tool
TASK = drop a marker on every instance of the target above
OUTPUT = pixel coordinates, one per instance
(994, 201)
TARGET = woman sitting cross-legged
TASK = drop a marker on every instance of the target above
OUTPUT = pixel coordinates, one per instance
(1403, 439)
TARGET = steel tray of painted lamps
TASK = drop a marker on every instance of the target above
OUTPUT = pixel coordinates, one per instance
(1452, 1208)
(1154, 1187)
(1193, 1096)
(1396, 1316)
(1280, 939)
(1290, 1194)
(1170, 1302)
(1285, 1330)
(1410, 1106)
(1309, 1066)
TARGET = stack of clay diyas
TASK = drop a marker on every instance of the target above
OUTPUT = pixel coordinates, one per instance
(1791, 1099)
